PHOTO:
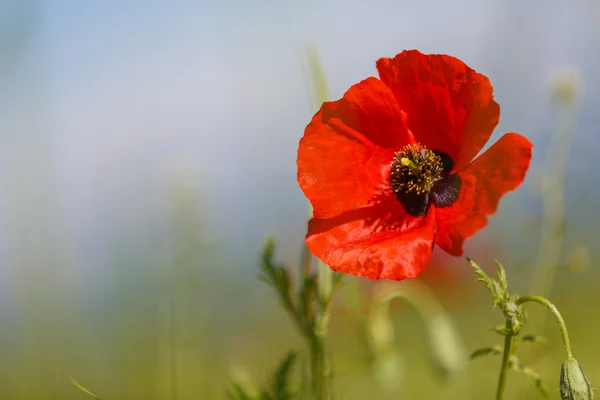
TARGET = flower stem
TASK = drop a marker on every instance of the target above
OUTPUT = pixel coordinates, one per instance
(561, 322)
(319, 363)
(325, 277)
(318, 369)
(508, 347)
(321, 372)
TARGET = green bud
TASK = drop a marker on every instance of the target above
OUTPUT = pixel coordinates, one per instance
(513, 313)
(573, 383)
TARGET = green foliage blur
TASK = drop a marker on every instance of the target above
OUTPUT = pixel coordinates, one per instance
(171, 320)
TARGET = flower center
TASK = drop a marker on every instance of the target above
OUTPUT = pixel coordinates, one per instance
(415, 169)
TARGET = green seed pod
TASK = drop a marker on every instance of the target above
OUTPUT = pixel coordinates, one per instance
(573, 383)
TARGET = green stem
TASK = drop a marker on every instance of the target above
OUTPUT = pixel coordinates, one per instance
(508, 346)
(325, 278)
(319, 366)
(317, 333)
(561, 322)
(319, 369)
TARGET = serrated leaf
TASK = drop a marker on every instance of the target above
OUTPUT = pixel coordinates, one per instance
(276, 276)
(484, 278)
(502, 277)
(499, 293)
(486, 351)
(84, 390)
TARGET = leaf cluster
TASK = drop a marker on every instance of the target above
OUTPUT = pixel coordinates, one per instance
(506, 302)
(278, 387)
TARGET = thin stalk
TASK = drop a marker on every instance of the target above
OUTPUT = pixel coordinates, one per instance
(318, 367)
(173, 346)
(319, 363)
(321, 370)
(557, 316)
(508, 347)
(553, 203)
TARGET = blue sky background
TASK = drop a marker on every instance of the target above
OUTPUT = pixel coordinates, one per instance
(106, 105)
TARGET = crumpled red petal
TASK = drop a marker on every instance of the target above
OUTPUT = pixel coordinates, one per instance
(450, 107)
(377, 242)
(498, 170)
(344, 155)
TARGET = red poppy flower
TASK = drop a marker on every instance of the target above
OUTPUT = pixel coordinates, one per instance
(389, 167)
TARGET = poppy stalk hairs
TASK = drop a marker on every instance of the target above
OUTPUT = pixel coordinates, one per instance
(390, 171)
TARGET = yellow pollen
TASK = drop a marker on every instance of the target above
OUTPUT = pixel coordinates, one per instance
(415, 169)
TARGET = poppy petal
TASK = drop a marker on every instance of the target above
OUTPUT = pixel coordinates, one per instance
(345, 153)
(378, 242)
(498, 170)
(450, 107)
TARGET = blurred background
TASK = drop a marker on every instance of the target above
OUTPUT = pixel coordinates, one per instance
(148, 147)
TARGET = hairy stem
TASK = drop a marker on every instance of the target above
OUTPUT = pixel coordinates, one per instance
(561, 322)
(318, 364)
(321, 372)
(507, 352)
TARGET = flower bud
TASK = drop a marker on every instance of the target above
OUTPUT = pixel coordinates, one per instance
(514, 315)
(573, 383)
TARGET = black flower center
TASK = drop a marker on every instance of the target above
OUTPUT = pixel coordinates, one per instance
(420, 176)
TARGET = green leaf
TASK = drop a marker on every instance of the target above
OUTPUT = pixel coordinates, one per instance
(276, 276)
(237, 392)
(502, 278)
(306, 297)
(535, 339)
(486, 351)
(501, 330)
(483, 277)
(268, 249)
(84, 390)
(280, 385)
(532, 375)
(500, 295)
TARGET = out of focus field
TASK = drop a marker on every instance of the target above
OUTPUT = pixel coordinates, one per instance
(147, 148)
